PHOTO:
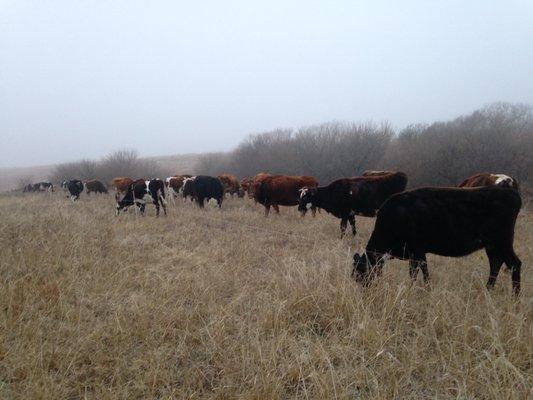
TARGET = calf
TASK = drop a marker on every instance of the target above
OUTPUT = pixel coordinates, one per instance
(347, 197)
(140, 192)
(202, 187)
(448, 222)
(485, 179)
(95, 186)
(74, 188)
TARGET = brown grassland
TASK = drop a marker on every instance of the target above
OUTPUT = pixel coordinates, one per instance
(227, 304)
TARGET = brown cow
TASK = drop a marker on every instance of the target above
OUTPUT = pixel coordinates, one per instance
(231, 184)
(486, 179)
(95, 186)
(174, 184)
(281, 190)
(121, 184)
(246, 184)
(256, 181)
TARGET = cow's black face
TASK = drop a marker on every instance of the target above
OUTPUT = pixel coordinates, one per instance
(306, 199)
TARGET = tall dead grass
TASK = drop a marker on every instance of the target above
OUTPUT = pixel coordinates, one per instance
(227, 304)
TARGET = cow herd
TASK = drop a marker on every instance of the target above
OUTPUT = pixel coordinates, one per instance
(480, 213)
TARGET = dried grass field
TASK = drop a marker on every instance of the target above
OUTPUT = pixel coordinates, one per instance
(230, 305)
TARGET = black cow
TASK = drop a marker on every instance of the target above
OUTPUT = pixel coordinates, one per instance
(449, 222)
(140, 192)
(347, 197)
(202, 187)
(74, 187)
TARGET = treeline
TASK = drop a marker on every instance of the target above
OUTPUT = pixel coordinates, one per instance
(119, 163)
(497, 138)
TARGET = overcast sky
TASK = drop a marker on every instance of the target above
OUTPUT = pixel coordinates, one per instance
(83, 78)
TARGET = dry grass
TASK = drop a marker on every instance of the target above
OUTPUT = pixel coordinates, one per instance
(209, 304)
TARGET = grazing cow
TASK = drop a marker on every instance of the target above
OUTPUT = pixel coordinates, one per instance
(246, 184)
(175, 183)
(142, 191)
(121, 184)
(28, 188)
(282, 190)
(231, 184)
(39, 187)
(485, 179)
(74, 188)
(95, 186)
(203, 187)
(347, 197)
(450, 222)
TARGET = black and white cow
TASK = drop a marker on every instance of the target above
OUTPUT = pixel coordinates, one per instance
(141, 192)
(39, 187)
(202, 187)
(449, 222)
(74, 188)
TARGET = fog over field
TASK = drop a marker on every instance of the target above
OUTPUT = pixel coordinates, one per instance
(81, 79)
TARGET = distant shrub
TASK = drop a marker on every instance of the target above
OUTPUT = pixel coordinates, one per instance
(119, 163)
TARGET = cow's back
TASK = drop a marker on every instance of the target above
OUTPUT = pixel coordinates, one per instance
(446, 221)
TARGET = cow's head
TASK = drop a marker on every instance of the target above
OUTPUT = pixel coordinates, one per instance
(367, 265)
(307, 198)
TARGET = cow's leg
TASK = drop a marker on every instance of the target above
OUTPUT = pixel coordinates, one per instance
(515, 265)
(413, 269)
(164, 206)
(219, 202)
(424, 267)
(351, 219)
(201, 202)
(267, 209)
(313, 211)
(156, 204)
(344, 223)
(276, 207)
(495, 263)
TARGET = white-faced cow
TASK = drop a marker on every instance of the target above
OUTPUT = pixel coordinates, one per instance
(450, 222)
(141, 192)
(345, 198)
(74, 187)
(485, 179)
(202, 187)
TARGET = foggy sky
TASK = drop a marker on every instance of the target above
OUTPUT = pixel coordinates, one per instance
(83, 78)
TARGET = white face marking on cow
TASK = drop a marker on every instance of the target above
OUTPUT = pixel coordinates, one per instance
(309, 205)
(303, 192)
(500, 178)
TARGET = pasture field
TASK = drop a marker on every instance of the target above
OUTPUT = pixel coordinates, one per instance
(229, 305)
